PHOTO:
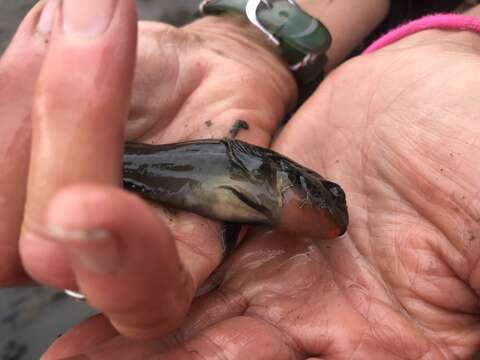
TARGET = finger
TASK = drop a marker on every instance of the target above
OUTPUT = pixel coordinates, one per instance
(19, 68)
(236, 338)
(80, 108)
(123, 257)
(87, 335)
(96, 337)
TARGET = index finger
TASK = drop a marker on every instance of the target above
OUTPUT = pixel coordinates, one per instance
(80, 108)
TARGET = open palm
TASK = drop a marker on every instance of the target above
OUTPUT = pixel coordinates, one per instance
(399, 130)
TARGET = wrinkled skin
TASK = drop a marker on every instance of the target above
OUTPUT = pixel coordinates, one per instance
(399, 129)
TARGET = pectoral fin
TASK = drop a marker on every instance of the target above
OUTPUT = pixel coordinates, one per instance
(242, 207)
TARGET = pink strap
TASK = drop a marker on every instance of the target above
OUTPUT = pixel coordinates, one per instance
(437, 21)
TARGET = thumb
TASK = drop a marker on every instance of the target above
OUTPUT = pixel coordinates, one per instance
(124, 258)
(79, 112)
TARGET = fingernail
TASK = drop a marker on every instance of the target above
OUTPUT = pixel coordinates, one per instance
(88, 18)
(45, 23)
(95, 250)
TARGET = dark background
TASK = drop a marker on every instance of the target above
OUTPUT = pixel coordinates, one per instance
(30, 319)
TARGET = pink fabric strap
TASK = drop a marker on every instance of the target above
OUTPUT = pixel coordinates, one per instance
(438, 21)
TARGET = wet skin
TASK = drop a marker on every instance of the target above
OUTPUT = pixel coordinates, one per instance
(236, 182)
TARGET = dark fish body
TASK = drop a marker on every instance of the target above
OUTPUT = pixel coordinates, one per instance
(236, 182)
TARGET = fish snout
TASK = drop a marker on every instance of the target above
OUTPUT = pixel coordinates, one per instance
(322, 215)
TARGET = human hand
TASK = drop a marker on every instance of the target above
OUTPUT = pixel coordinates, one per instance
(211, 78)
(398, 129)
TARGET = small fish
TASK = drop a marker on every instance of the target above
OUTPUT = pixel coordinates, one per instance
(236, 182)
